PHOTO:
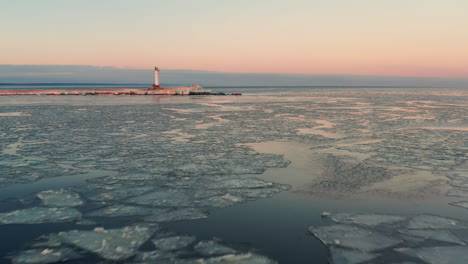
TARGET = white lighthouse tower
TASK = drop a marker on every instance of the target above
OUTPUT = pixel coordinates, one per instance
(156, 78)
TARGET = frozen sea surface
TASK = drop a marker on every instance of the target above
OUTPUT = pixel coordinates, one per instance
(212, 179)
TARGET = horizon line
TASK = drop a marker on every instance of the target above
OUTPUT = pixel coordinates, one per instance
(268, 73)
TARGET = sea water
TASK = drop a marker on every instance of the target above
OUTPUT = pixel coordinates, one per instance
(243, 174)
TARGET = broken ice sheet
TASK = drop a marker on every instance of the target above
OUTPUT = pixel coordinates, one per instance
(248, 258)
(44, 256)
(173, 243)
(427, 221)
(60, 198)
(365, 219)
(345, 256)
(212, 248)
(112, 244)
(353, 237)
(37, 215)
(125, 210)
(438, 255)
(177, 215)
(439, 235)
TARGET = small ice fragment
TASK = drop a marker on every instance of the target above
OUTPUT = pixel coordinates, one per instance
(37, 215)
(427, 221)
(173, 243)
(325, 214)
(353, 237)
(345, 256)
(60, 198)
(212, 248)
(99, 229)
(438, 255)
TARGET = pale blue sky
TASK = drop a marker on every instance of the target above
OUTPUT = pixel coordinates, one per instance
(394, 37)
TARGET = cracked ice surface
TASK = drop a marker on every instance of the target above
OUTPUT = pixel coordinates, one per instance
(39, 215)
(184, 147)
(433, 239)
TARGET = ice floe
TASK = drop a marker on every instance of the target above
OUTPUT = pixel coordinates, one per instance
(60, 198)
(365, 219)
(44, 256)
(346, 256)
(112, 244)
(125, 210)
(438, 255)
(353, 237)
(173, 243)
(427, 221)
(37, 215)
(368, 238)
(212, 248)
(177, 215)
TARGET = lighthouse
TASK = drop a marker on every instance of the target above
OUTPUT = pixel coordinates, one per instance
(156, 78)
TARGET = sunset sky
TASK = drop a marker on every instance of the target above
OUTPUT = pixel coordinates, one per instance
(365, 37)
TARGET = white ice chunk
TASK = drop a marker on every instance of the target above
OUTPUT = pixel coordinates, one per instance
(435, 222)
(365, 219)
(353, 237)
(37, 215)
(60, 198)
(173, 243)
(438, 255)
(112, 244)
(345, 256)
